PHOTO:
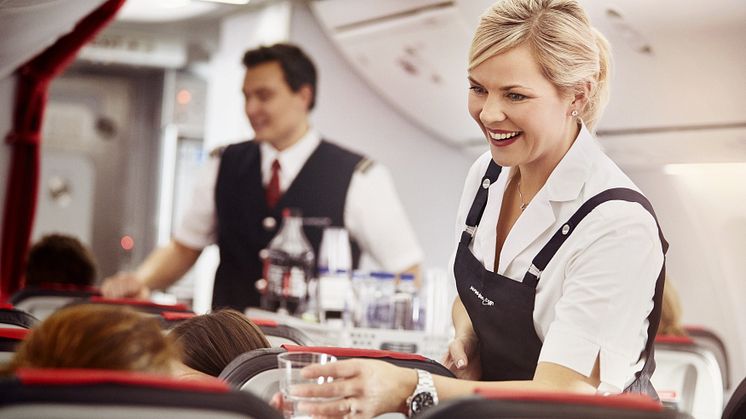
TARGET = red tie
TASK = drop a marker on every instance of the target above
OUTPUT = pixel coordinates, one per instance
(273, 187)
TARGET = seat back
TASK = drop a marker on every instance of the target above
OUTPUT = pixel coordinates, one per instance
(12, 317)
(145, 306)
(84, 394)
(280, 334)
(170, 319)
(9, 340)
(708, 339)
(41, 302)
(257, 371)
(687, 376)
(489, 404)
(736, 407)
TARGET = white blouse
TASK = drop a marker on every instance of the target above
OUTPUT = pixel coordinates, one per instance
(594, 296)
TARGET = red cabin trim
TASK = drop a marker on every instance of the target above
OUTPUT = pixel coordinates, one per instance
(674, 340)
(138, 303)
(13, 333)
(620, 401)
(264, 322)
(66, 377)
(355, 353)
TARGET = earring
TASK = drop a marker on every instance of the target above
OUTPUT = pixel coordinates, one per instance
(574, 112)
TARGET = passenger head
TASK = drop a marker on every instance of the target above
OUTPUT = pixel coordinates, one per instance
(571, 54)
(671, 312)
(98, 337)
(60, 259)
(211, 341)
(280, 90)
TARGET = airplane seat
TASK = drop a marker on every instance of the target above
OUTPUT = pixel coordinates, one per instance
(9, 340)
(710, 340)
(12, 317)
(87, 394)
(41, 302)
(736, 407)
(687, 376)
(489, 404)
(145, 306)
(170, 319)
(280, 334)
(257, 371)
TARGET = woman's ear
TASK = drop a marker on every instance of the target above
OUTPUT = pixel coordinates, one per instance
(580, 96)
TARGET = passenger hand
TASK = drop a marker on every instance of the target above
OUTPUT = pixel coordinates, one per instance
(364, 388)
(124, 285)
(463, 357)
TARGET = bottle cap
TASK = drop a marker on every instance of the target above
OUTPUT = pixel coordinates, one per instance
(382, 275)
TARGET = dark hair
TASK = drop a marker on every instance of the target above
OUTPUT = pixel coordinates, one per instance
(60, 259)
(92, 336)
(296, 65)
(211, 341)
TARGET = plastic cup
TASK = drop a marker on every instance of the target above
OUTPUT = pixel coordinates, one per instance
(290, 364)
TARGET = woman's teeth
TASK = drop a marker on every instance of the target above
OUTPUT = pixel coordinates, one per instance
(503, 136)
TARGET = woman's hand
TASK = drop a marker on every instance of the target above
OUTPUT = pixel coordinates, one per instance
(364, 388)
(463, 357)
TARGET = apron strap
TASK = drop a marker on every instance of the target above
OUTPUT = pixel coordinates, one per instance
(550, 249)
(546, 254)
(480, 201)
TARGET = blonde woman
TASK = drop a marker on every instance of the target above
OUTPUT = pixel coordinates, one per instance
(559, 263)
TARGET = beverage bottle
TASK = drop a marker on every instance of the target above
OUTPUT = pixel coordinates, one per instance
(380, 309)
(288, 266)
(404, 303)
(335, 270)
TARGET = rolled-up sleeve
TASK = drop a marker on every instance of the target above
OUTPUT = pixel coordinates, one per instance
(606, 295)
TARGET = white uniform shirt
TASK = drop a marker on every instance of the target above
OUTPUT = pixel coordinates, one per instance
(594, 296)
(373, 214)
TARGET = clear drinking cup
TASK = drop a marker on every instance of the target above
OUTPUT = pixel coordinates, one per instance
(290, 364)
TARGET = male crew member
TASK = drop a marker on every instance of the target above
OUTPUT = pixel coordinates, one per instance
(238, 205)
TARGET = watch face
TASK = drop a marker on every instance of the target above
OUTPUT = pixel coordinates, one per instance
(421, 401)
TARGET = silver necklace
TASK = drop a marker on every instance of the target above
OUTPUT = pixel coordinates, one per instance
(520, 194)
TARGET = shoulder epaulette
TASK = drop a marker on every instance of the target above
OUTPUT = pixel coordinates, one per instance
(364, 165)
(217, 151)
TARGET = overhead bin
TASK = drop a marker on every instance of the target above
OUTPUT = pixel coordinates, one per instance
(414, 54)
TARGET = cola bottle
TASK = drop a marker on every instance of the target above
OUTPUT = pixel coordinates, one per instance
(288, 266)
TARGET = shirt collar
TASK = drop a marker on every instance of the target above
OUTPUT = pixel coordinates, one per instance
(568, 178)
(291, 159)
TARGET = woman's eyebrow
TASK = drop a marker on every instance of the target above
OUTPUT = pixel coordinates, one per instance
(504, 88)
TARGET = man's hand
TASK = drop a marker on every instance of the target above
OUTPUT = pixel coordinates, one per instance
(124, 285)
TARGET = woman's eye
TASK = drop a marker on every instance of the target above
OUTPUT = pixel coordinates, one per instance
(516, 97)
(477, 89)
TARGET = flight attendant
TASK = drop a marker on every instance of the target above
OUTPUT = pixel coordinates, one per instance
(559, 262)
(238, 199)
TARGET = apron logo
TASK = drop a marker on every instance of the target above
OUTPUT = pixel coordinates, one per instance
(485, 301)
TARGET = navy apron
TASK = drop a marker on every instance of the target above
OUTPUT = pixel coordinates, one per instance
(501, 309)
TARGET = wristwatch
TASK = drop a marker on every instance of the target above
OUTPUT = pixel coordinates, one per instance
(424, 395)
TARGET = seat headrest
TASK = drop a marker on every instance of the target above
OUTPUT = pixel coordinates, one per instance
(356, 352)
(618, 401)
(71, 377)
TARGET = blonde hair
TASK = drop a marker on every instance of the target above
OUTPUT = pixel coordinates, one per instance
(671, 312)
(97, 337)
(570, 52)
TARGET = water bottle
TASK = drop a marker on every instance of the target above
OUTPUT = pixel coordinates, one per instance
(379, 309)
(288, 266)
(334, 296)
(404, 303)
(363, 290)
